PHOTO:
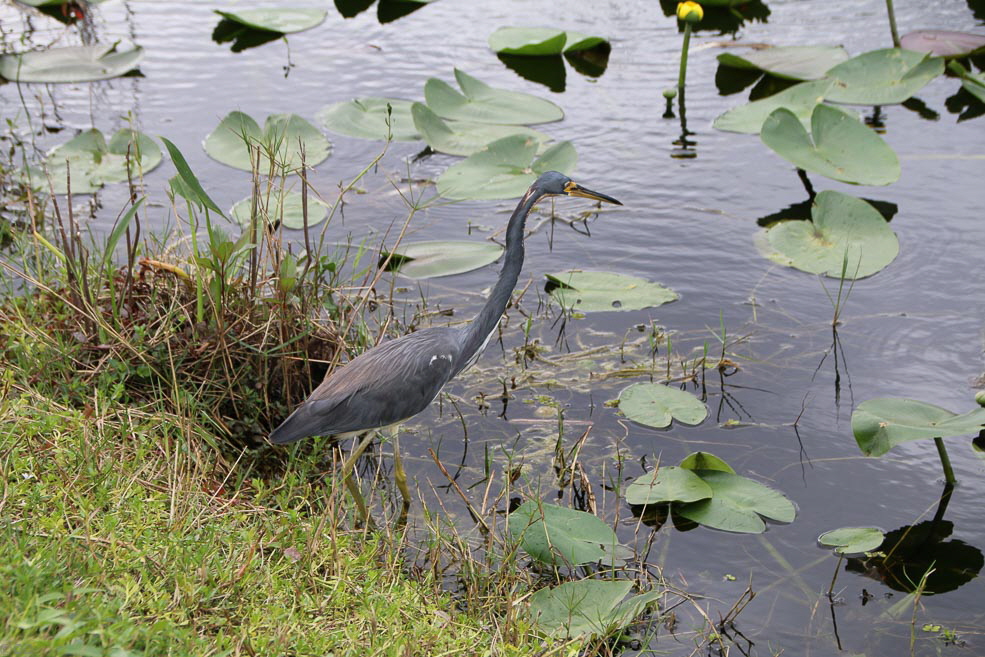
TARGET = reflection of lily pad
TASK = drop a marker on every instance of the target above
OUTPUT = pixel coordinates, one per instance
(540, 41)
(843, 228)
(483, 104)
(558, 536)
(597, 291)
(71, 64)
(799, 99)
(366, 118)
(943, 43)
(282, 136)
(461, 137)
(443, 258)
(504, 169)
(284, 20)
(286, 209)
(93, 163)
(839, 146)
(587, 608)
(852, 540)
(737, 503)
(881, 424)
(882, 77)
(667, 484)
(793, 62)
(655, 405)
(970, 82)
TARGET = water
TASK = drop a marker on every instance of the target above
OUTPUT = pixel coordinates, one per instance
(915, 329)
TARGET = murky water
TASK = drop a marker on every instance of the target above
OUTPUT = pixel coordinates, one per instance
(915, 329)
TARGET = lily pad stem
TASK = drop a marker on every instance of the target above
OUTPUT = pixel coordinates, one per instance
(684, 48)
(945, 461)
(892, 23)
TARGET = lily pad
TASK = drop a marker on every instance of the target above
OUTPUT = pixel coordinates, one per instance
(791, 62)
(93, 163)
(801, 99)
(656, 405)
(443, 258)
(839, 146)
(598, 291)
(504, 169)
(737, 504)
(852, 540)
(882, 77)
(844, 233)
(881, 424)
(233, 139)
(483, 104)
(462, 137)
(705, 461)
(366, 118)
(971, 82)
(539, 41)
(72, 63)
(284, 20)
(587, 608)
(943, 43)
(667, 484)
(558, 536)
(286, 208)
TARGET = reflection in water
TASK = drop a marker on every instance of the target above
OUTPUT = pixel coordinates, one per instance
(241, 36)
(549, 70)
(726, 20)
(386, 11)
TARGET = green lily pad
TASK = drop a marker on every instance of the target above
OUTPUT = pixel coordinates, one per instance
(231, 142)
(462, 137)
(483, 104)
(562, 537)
(366, 118)
(539, 41)
(705, 461)
(286, 208)
(598, 291)
(71, 64)
(943, 43)
(791, 62)
(839, 146)
(504, 169)
(881, 424)
(973, 83)
(844, 233)
(656, 405)
(852, 540)
(801, 99)
(284, 20)
(667, 484)
(587, 608)
(443, 257)
(737, 504)
(94, 163)
(882, 77)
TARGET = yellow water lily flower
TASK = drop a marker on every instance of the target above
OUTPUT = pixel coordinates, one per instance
(690, 12)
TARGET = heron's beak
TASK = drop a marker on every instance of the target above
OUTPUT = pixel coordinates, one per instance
(574, 189)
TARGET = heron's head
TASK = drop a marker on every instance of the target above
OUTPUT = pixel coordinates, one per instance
(553, 182)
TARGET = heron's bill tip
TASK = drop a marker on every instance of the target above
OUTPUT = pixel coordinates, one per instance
(574, 189)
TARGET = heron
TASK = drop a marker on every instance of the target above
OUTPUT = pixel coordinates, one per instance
(397, 379)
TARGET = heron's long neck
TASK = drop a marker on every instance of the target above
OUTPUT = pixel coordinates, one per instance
(485, 322)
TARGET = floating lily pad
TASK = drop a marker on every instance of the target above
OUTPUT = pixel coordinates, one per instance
(943, 43)
(483, 104)
(881, 424)
(504, 169)
(366, 118)
(538, 41)
(667, 484)
(558, 536)
(843, 228)
(737, 503)
(839, 146)
(443, 258)
(882, 77)
(801, 99)
(93, 163)
(792, 62)
(852, 540)
(587, 608)
(286, 209)
(705, 461)
(598, 291)
(232, 141)
(656, 405)
(462, 137)
(284, 20)
(72, 63)
(971, 82)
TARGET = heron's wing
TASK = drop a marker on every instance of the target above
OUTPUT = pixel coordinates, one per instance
(385, 385)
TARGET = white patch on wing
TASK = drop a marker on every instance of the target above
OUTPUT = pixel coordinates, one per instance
(441, 356)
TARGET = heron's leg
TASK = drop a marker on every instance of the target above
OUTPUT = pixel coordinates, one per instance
(399, 474)
(350, 481)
